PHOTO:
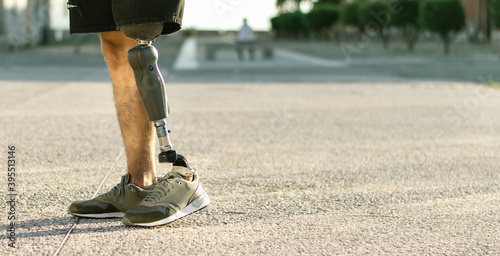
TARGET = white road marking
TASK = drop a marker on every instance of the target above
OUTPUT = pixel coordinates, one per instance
(187, 57)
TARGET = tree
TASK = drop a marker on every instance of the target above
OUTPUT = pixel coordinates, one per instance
(276, 25)
(407, 21)
(376, 20)
(322, 17)
(349, 16)
(444, 17)
(495, 11)
(289, 24)
(334, 2)
(288, 5)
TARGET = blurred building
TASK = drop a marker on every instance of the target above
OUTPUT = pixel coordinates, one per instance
(477, 19)
(26, 23)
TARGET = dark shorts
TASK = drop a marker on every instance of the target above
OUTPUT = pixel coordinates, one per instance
(92, 16)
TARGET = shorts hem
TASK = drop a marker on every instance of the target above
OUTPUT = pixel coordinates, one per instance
(87, 30)
(145, 20)
(172, 24)
(177, 22)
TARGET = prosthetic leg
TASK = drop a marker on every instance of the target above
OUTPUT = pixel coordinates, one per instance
(143, 60)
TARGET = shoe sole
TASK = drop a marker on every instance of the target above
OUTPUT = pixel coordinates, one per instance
(101, 215)
(198, 204)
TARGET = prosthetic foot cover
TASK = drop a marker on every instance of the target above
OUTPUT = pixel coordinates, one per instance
(143, 59)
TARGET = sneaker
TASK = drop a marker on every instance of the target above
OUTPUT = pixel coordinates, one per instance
(171, 198)
(111, 204)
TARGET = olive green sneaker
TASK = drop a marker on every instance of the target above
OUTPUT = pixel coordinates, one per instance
(112, 204)
(174, 196)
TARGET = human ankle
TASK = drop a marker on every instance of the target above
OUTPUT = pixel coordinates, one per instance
(143, 183)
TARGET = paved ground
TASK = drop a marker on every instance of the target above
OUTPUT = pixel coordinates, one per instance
(319, 168)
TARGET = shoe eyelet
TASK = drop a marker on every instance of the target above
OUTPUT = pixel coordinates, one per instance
(132, 190)
(179, 183)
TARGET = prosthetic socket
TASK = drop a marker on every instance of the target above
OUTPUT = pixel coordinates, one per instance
(143, 60)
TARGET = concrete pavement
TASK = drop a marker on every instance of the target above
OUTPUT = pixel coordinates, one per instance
(291, 168)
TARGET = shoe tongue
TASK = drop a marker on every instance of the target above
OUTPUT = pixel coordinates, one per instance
(170, 176)
(173, 175)
(126, 178)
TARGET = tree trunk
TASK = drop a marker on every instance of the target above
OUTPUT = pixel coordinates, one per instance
(445, 37)
(385, 35)
(2, 18)
(357, 37)
(410, 35)
(411, 46)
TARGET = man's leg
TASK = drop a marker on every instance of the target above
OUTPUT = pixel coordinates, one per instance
(251, 51)
(128, 199)
(239, 51)
(137, 131)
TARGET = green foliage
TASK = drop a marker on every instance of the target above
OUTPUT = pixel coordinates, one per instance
(406, 18)
(349, 15)
(276, 23)
(322, 17)
(288, 5)
(442, 16)
(408, 14)
(375, 19)
(495, 11)
(493, 84)
(280, 2)
(293, 22)
(289, 23)
(334, 2)
(372, 13)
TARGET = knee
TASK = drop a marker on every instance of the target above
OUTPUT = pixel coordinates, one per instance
(115, 46)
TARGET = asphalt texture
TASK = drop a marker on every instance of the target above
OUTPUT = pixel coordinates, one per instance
(300, 154)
